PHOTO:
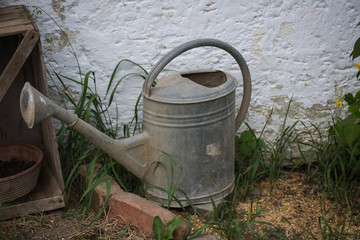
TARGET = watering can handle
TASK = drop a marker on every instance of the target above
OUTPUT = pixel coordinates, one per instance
(202, 43)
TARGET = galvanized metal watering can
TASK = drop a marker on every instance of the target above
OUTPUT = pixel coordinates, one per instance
(189, 126)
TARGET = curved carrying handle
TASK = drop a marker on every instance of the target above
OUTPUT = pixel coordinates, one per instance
(202, 43)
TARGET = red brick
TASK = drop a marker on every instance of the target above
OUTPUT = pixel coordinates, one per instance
(131, 208)
(99, 193)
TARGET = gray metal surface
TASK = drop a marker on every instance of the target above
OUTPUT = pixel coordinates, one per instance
(159, 66)
(187, 146)
(197, 133)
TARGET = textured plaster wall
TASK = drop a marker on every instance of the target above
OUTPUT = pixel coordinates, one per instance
(293, 48)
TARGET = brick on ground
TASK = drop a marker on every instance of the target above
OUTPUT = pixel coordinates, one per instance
(99, 193)
(133, 209)
(130, 208)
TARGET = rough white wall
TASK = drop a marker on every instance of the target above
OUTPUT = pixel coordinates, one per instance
(293, 48)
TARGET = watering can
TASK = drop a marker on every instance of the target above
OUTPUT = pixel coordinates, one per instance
(187, 146)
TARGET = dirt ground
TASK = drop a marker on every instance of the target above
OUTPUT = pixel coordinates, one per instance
(298, 207)
(63, 224)
(293, 206)
(55, 225)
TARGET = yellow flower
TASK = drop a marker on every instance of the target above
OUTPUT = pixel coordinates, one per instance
(358, 65)
(339, 102)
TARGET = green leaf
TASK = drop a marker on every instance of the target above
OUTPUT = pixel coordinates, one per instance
(252, 144)
(261, 143)
(349, 98)
(349, 120)
(246, 150)
(351, 132)
(171, 226)
(237, 139)
(122, 234)
(356, 52)
(354, 109)
(246, 136)
(157, 228)
(357, 95)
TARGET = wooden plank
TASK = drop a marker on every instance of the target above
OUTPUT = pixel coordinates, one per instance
(22, 29)
(13, 14)
(10, 16)
(17, 61)
(14, 23)
(15, 20)
(30, 207)
(14, 10)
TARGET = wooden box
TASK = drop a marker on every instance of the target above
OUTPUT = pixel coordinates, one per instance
(21, 61)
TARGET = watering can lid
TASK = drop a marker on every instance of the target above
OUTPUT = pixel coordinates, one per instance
(193, 86)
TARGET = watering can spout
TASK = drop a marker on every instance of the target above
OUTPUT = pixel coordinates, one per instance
(132, 153)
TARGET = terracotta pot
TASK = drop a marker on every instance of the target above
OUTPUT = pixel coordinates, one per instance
(19, 184)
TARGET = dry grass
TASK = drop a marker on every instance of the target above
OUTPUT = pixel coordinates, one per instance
(294, 206)
(54, 225)
(64, 224)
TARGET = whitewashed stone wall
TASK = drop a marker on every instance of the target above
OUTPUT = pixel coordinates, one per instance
(293, 48)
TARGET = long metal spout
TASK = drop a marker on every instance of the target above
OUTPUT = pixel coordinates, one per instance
(132, 153)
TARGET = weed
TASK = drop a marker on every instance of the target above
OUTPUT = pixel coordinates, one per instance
(76, 151)
(333, 232)
(166, 233)
(173, 166)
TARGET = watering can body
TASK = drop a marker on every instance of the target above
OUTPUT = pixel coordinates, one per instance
(186, 149)
(190, 117)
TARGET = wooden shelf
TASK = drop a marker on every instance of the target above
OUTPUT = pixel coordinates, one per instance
(21, 61)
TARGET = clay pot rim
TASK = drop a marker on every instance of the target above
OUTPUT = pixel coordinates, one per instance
(37, 163)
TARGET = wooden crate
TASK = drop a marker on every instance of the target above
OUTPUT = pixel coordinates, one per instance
(21, 61)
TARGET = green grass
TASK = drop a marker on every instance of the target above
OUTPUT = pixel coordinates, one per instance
(76, 151)
(333, 166)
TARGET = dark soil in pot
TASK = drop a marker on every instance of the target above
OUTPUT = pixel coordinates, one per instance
(13, 167)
